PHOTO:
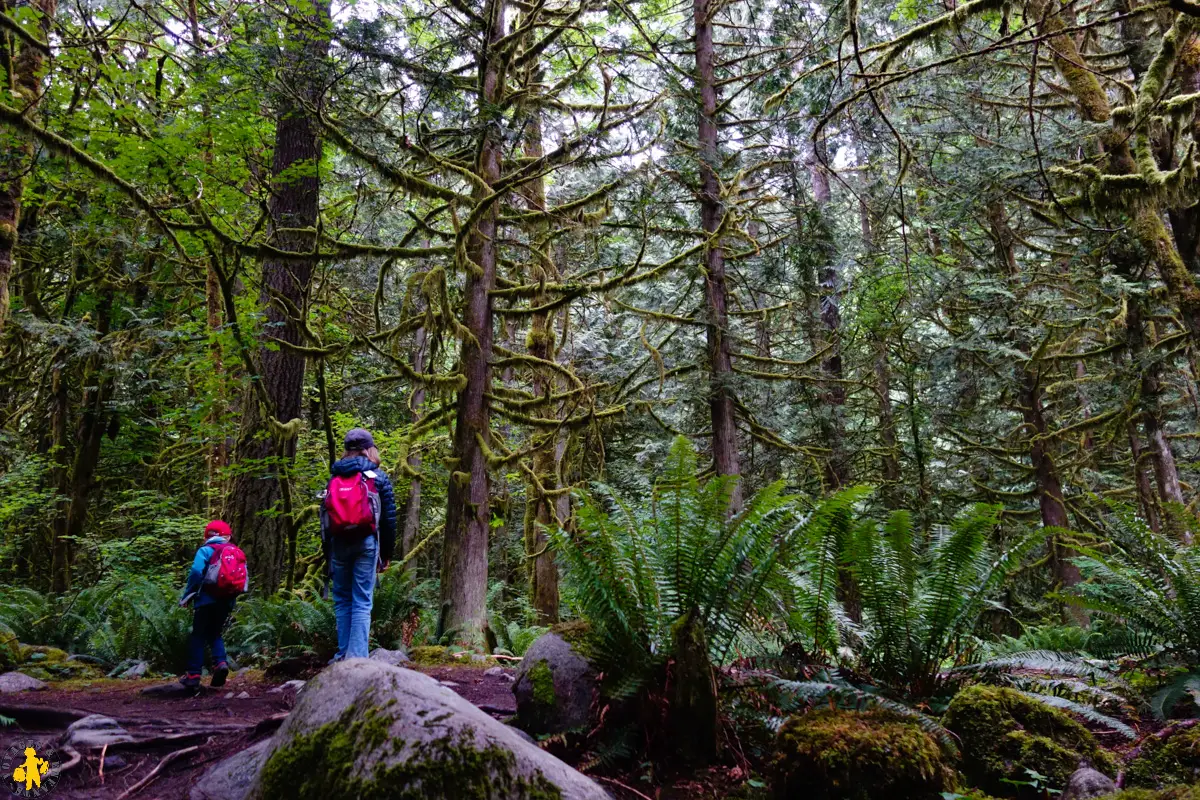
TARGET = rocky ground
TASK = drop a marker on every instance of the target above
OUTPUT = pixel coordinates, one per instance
(181, 734)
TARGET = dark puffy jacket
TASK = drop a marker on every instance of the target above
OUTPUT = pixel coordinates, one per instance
(387, 500)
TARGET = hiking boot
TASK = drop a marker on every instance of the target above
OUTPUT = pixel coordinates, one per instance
(191, 680)
(220, 673)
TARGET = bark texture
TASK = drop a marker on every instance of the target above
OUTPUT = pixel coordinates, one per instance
(465, 550)
(16, 146)
(716, 292)
(267, 442)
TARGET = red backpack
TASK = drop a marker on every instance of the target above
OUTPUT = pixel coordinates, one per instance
(226, 575)
(351, 508)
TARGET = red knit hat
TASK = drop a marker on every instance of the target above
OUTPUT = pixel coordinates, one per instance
(218, 528)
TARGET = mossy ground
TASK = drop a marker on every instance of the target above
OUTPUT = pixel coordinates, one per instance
(830, 754)
(1172, 760)
(438, 656)
(1004, 733)
(327, 763)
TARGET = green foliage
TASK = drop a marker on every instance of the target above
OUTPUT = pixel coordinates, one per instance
(636, 571)
(1149, 584)
(922, 602)
(1169, 757)
(282, 626)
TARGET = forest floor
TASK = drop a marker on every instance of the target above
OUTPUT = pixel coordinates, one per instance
(189, 731)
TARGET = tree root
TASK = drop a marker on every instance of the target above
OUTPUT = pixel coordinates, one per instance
(144, 782)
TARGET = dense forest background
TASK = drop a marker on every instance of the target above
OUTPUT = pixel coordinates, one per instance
(946, 249)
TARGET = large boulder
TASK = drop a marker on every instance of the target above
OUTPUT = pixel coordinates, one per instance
(1172, 756)
(366, 729)
(555, 685)
(832, 754)
(1005, 734)
(232, 778)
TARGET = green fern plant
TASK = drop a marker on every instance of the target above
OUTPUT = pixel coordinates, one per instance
(678, 583)
(282, 626)
(1149, 585)
(922, 601)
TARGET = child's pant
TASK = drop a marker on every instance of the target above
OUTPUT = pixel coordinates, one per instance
(207, 623)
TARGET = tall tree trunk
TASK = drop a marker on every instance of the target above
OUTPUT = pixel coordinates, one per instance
(829, 279)
(23, 64)
(540, 512)
(716, 292)
(1146, 499)
(890, 458)
(97, 383)
(468, 511)
(1048, 484)
(267, 443)
(1166, 473)
(416, 401)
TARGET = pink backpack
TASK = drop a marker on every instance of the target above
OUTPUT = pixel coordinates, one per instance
(226, 575)
(352, 506)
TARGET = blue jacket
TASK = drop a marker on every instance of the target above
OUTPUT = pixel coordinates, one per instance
(387, 500)
(195, 579)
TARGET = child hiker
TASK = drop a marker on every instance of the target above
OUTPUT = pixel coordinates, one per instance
(358, 524)
(217, 577)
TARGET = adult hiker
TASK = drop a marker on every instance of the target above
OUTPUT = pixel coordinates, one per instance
(217, 577)
(358, 525)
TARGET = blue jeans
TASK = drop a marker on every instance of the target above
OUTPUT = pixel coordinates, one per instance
(353, 566)
(207, 622)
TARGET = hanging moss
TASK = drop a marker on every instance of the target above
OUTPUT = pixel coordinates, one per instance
(830, 754)
(326, 763)
(1004, 733)
(1167, 761)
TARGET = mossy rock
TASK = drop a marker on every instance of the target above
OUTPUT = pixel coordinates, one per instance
(554, 686)
(1171, 793)
(368, 730)
(432, 656)
(577, 633)
(42, 654)
(10, 649)
(1166, 761)
(1004, 733)
(831, 754)
(72, 670)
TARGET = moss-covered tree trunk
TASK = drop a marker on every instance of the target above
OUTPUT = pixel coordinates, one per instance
(540, 514)
(716, 291)
(411, 524)
(267, 442)
(468, 507)
(23, 67)
(1145, 212)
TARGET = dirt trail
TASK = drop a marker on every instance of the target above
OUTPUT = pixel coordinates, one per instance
(213, 723)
